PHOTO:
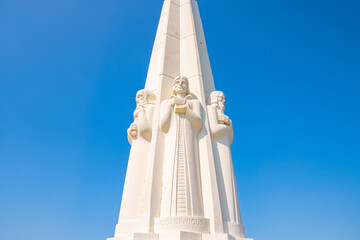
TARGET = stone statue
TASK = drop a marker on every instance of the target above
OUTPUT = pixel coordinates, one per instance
(222, 136)
(144, 100)
(139, 136)
(181, 121)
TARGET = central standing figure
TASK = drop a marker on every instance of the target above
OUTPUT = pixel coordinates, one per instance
(181, 121)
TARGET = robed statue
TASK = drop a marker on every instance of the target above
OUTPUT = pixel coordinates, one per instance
(139, 136)
(181, 121)
(222, 137)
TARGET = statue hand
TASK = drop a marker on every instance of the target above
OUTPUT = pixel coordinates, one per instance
(174, 100)
(223, 119)
(181, 108)
(133, 130)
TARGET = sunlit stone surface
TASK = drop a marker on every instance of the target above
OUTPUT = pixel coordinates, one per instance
(180, 182)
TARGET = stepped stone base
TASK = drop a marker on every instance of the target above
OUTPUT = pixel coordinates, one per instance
(137, 236)
(177, 236)
(180, 236)
(221, 237)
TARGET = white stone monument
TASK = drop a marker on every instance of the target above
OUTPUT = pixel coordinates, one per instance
(180, 182)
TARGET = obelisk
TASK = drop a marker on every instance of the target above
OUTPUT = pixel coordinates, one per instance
(180, 182)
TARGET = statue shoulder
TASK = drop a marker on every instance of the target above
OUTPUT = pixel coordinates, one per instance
(192, 98)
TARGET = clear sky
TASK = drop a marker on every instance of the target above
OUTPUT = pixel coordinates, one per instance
(69, 72)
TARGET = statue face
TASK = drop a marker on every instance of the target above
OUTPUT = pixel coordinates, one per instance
(221, 98)
(221, 101)
(141, 97)
(181, 85)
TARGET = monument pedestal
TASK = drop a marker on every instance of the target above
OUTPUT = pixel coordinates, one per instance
(181, 235)
(137, 236)
(221, 236)
(182, 225)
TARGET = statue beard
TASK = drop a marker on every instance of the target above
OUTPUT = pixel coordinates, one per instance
(222, 107)
(184, 91)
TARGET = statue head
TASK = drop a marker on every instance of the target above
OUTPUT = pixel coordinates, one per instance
(181, 85)
(218, 98)
(145, 97)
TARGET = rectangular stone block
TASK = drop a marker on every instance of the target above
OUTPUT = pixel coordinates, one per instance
(222, 236)
(217, 237)
(182, 224)
(180, 236)
(138, 236)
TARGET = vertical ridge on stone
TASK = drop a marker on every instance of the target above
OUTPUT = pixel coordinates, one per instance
(180, 182)
(181, 204)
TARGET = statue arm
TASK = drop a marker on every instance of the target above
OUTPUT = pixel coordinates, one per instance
(231, 134)
(145, 122)
(129, 137)
(132, 131)
(165, 116)
(217, 129)
(194, 115)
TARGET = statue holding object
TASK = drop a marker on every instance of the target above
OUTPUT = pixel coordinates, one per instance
(222, 137)
(139, 136)
(181, 121)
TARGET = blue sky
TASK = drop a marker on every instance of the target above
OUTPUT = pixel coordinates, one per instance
(69, 72)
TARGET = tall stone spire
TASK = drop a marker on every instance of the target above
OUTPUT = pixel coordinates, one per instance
(180, 181)
(180, 49)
